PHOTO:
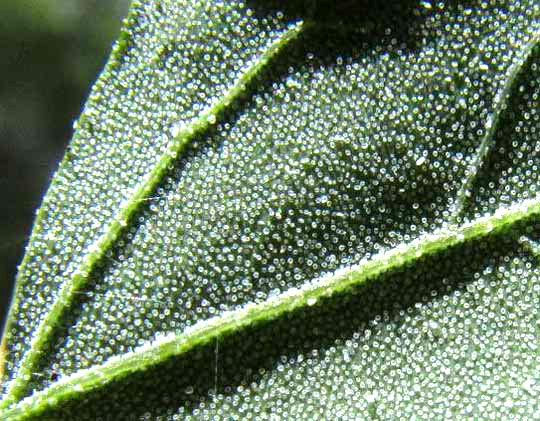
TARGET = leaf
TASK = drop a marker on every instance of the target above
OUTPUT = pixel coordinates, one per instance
(286, 211)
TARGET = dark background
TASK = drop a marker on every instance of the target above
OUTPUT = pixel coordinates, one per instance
(51, 52)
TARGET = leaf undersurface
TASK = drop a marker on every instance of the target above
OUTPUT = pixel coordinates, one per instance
(309, 210)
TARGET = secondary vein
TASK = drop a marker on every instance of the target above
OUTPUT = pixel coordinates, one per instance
(18, 387)
(486, 143)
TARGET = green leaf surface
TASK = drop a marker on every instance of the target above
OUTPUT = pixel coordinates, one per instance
(293, 210)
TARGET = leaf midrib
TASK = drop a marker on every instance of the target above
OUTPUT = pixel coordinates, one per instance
(204, 332)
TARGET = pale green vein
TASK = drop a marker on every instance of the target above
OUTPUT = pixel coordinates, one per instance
(18, 387)
(492, 122)
(203, 332)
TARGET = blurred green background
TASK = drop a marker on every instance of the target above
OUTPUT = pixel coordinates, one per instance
(51, 52)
